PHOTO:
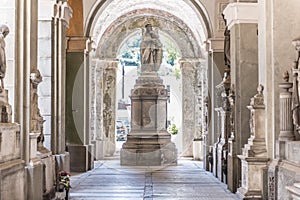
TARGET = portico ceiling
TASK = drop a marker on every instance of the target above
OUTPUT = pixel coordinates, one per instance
(117, 19)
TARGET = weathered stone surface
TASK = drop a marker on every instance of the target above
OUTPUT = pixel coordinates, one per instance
(10, 148)
(12, 177)
(110, 181)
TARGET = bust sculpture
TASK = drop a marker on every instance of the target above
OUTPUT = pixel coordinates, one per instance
(4, 30)
(150, 49)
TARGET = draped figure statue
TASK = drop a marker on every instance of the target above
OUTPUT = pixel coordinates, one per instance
(4, 30)
(151, 50)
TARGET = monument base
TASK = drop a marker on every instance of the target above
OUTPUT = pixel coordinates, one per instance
(149, 149)
(252, 177)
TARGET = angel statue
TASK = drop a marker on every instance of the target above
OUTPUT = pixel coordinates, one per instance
(150, 49)
(4, 30)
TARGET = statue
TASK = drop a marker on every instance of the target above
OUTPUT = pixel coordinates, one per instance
(226, 44)
(150, 49)
(4, 30)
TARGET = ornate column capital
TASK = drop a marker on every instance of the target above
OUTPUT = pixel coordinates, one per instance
(241, 13)
(62, 10)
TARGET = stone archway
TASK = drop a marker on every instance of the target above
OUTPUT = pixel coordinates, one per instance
(109, 40)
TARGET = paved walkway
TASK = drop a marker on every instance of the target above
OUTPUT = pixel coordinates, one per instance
(110, 181)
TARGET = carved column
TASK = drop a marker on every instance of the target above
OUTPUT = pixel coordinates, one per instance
(200, 94)
(254, 158)
(109, 105)
(60, 22)
(188, 69)
(97, 87)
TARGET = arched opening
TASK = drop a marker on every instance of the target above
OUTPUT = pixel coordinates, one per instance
(110, 33)
(129, 69)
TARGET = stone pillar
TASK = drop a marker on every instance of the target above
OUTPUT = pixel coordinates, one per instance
(254, 158)
(242, 20)
(60, 22)
(215, 73)
(188, 71)
(244, 61)
(200, 94)
(109, 105)
(78, 92)
(97, 87)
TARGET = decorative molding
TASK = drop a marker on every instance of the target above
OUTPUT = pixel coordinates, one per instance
(241, 13)
(215, 45)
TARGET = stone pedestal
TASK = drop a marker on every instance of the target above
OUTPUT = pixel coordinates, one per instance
(198, 149)
(34, 170)
(12, 168)
(149, 143)
(232, 166)
(49, 177)
(286, 133)
(254, 159)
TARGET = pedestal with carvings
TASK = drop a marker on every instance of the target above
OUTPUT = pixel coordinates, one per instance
(12, 168)
(149, 143)
(254, 158)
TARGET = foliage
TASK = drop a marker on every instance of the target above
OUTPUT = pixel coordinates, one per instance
(172, 129)
(177, 73)
(172, 54)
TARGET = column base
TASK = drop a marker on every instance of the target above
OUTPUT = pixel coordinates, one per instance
(233, 167)
(150, 149)
(62, 162)
(81, 157)
(243, 193)
(253, 180)
(198, 149)
(35, 179)
(99, 149)
(48, 160)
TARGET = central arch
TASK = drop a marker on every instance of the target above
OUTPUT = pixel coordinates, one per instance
(109, 32)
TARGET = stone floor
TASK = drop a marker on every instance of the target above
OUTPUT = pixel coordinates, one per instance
(110, 181)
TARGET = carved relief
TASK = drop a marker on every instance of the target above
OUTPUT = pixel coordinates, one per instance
(107, 113)
(108, 107)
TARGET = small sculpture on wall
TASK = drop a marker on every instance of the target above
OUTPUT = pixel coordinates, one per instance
(226, 44)
(150, 49)
(4, 30)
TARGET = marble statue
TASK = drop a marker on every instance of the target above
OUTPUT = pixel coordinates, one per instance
(4, 30)
(226, 44)
(150, 49)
